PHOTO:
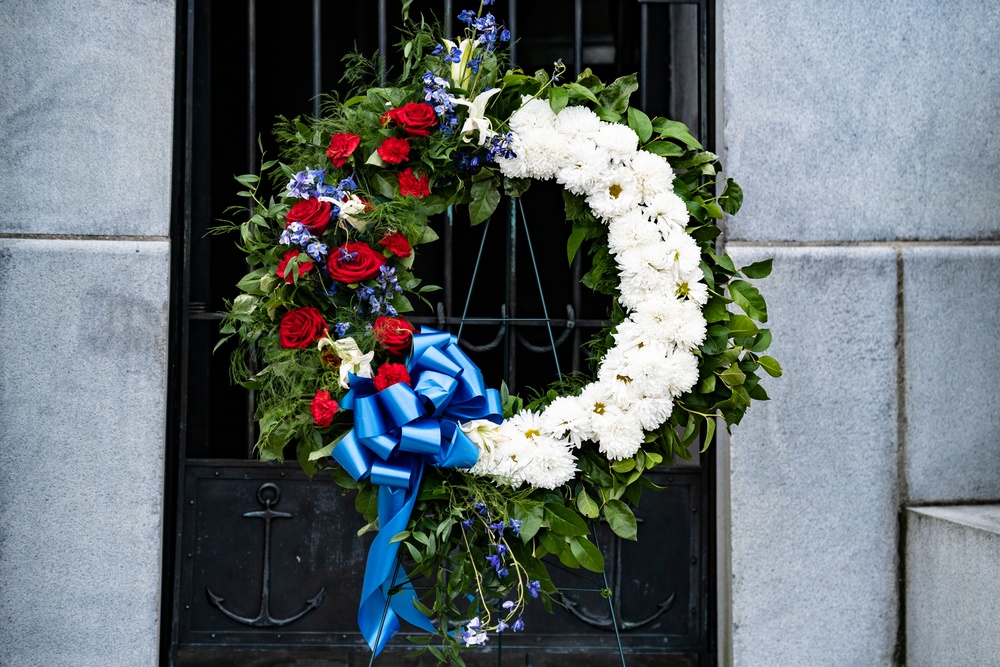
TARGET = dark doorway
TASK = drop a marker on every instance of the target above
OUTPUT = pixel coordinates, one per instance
(240, 65)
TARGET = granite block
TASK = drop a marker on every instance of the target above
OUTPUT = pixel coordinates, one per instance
(83, 369)
(813, 479)
(861, 121)
(951, 314)
(86, 124)
(953, 586)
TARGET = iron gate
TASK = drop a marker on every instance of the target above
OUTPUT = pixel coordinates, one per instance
(264, 561)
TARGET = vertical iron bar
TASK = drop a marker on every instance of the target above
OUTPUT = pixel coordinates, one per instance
(578, 36)
(541, 294)
(611, 603)
(703, 70)
(472, 283)
(251, 435)
(510, 337)
(383, 40)
(317, 58)
(449, 260)
(512, 20)
(643, 53)
(446, 23)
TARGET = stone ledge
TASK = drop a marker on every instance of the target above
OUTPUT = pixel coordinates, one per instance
(952, 585)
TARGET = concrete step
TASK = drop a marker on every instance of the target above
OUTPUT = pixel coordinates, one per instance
(953, 586)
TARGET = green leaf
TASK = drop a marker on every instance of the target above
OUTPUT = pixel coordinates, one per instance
(640, 123)
(664, 148)
(741, 326)
(749, 299)
(400, 536)
(709, 432)
(244, 304)
(771, 366)
(383, 187)
(757, 269)
(485, 198)
(587, 505)
(428, 235)
(621, 519)
(617, 94)
(623, 466)
(732, 376)
(376, 160)
(725, 261)
(558, 99)
(247, 179)
(732, 199)
(563, 520)
(576, 238)
(715, 310)
(531, 520)
(607, 114)
(589, 555)
(763, 341)
(675, 130)
(582, 91)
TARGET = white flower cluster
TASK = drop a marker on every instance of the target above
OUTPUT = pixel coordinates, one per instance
(662, 290)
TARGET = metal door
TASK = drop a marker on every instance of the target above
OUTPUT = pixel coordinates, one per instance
(264, 565)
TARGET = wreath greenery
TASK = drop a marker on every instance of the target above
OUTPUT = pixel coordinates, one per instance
(322, 334)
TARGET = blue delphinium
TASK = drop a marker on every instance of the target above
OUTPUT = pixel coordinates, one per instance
(518, 625)
(515, 525)
(340, 328)
(296, 234)
(500, 146)
(436, 93)
(534, 587)
(316, 250)
(469, 162)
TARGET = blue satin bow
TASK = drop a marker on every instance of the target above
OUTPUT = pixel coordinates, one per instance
(396, 432)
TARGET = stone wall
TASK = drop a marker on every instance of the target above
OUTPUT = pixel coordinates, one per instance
(86, 128)
(867, 139)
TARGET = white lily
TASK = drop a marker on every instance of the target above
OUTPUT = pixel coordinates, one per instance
(351, 358)
(477, 120)
(460, 71)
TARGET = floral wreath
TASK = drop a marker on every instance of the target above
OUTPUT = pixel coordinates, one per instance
(468, 486)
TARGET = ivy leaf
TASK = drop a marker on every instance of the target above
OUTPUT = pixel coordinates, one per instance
(587, 554)
(749, 299)
(563, 520)
(485, 198)
(617, 94)
(771, 366)
(621, 519)
(757, 269)
(640, 123)
(587, 505)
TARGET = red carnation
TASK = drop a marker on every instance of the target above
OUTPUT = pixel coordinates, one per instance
(323, 408)
(353, 262)
(416, 118)
(394, 334)
(397, 244)
(410, 184)
(301, 327)
(312, 213)
(341, 147)
(283, 265)
(394, 150)
(389, 374)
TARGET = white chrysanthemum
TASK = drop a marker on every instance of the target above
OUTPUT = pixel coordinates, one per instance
(619, 434)
(630, 335)
(643, 271)
(691, 286)
(630, 230)
(614, 194)
(585, 165)
(669, 211)
(577, 123)
(536, 114)
(619, 141)
(666, 319)
(544, 462)
(683, 372)
(635, 374)
(653, 174)
(651, 413)
(567, 418)
(545, 152)
(515, 167)
(683, 253)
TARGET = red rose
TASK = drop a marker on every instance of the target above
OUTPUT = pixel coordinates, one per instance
(300, 327)
(341, 147)
(397, 244)
(410, 184)
(354, 262)
(323, 408)
(394, 334)
(390, 374)
(312, 213)
(415, 118)
(394, 150)
(283, 264)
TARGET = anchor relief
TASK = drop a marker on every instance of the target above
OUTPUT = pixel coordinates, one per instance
(268, 495)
